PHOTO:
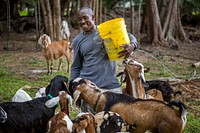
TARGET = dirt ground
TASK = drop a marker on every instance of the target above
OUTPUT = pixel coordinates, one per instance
(23, 48)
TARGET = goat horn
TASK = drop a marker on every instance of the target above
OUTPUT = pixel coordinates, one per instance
(67, 88)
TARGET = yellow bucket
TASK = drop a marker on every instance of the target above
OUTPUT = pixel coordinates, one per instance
(114, 34)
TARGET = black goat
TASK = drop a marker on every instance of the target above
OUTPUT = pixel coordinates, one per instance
(166, 89)
(32, 116)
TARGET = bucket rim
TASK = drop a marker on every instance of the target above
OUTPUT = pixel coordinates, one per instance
(110, 21)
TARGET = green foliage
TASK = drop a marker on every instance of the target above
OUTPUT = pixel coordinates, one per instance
(23, 13)
(191, 7)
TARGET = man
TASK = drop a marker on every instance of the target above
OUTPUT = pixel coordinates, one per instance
(90, 59)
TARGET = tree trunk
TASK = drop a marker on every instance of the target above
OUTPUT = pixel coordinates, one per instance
(154, 31)
(172, 27)
(44, 17)
(164, 26)
(57, 19)
(49, 14)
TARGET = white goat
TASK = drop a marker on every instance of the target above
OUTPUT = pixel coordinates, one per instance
(22, 96)
(65, 32)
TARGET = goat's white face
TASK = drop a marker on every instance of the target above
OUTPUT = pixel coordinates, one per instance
(44, 40)
(133, 67)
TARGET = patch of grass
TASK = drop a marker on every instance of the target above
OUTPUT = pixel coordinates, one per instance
(192, 125)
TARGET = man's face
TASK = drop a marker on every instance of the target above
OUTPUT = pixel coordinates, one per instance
(86, 21)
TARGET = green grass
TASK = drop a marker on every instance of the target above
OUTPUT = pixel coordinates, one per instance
(193, 124)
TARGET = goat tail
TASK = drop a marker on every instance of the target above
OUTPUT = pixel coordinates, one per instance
(182, 110)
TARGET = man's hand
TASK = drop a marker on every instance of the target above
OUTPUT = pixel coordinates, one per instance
(128, 48)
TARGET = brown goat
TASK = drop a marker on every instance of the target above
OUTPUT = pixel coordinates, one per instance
(134, 77)
(55, 50)
(60, 122)
(85, 122)
(148, 115)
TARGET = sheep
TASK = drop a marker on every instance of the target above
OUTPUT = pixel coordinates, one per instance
(148, 115)
(32, 116)
(22, 96)
(3, 115)
(136, 79)
(54, 50)
(84, 123)
(60, 122)
(111, 122)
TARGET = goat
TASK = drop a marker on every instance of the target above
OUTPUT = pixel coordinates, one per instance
(166, 89)
(32, 116)
(135, 81)
(134, 76)
(84, 123)
(60, 122)
(148, 115)
(22, 96)
(111, 122)
(3, 115)
(65, 32)
(54, 50)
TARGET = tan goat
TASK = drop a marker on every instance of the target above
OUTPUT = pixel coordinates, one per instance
(148, 115)
(134, 81)
(55, 50)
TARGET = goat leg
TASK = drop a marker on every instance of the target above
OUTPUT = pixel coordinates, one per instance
(52, 62)
(48, 67)
(68, 60)
(60, 64)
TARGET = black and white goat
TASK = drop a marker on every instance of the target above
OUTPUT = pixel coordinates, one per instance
(32, 116)
(111, 122)
(148, 115)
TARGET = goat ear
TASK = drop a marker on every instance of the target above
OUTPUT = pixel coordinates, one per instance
(52, 102)
(40, 41)
(76, 95)
(48, 39)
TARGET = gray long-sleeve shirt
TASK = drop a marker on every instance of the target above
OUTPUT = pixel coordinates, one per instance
(91, 61)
